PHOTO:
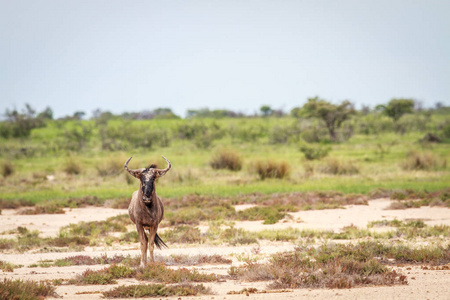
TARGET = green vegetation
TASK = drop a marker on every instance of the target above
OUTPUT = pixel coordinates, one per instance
(156, 290)
(322, 156)
(339, 265)
(107, 275)
(157, 272)
(74, 159)
(331, 266)
(6, 266)
(160, 273)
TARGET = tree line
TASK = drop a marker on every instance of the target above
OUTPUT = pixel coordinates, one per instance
(20, 123)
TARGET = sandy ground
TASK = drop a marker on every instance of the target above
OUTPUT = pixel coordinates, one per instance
(423, 284)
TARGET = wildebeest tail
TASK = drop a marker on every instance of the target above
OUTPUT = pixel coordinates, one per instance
(159, 242)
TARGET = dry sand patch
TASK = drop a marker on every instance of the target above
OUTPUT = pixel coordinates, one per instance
(423, 284)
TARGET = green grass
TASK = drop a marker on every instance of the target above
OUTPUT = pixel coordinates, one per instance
(379, 159)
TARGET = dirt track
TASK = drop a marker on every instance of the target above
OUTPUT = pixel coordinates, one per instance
(423, 284)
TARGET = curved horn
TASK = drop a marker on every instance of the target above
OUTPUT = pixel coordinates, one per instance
(135, 173)
(162, 172)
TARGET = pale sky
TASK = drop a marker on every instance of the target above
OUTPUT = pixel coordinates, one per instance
(238, 55)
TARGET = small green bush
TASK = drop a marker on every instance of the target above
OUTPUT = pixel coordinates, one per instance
(226, 159)
(312, 152)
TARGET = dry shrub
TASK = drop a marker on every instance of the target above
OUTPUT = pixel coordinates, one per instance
(119, 203)
(226, 159)
(338, 167)
(46, 208)
(6, 266)
(72, 166)
(335, 266)
(7, 169)
(270, 214)
(28, 289)
(196, 259)
(183, 234)
(160, 273)
(271, 169)
(238, 236)
(7, 244)
(64, 241)
(156, 290)
(105, 276)
(12, 204)
(423, 161)
(97, 228)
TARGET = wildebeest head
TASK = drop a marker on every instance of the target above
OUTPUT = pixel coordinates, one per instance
(148, 176)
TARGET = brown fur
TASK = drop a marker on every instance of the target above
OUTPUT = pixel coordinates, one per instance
(146, 209)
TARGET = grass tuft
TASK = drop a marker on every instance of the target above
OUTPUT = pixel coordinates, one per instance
(6, 266)
(105, 276)
(196, 259)
(423, 161)
(160, 273)
(271, 169)
(338, 167)
(331, 266)
(313, 152)
(7, 169)
(19, 289)
(183, 234)
(226, 159)
(72, 166)
(156, 290)
(270, 214)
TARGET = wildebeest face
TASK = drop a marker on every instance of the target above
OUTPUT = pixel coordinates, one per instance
(148, 178)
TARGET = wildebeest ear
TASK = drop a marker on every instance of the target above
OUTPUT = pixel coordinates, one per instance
(162, 172)
(136, 173)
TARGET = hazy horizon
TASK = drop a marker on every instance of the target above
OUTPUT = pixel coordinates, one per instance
(236, 55)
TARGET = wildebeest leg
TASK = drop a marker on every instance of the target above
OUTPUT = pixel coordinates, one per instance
(144, 242)
(151, 240)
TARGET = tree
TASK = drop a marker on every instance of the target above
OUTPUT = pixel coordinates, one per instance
(78, 115)
(266, 110)
(333, 115)
(397, 108)
(46, 114)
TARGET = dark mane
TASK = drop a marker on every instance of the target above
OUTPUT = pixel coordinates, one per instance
(152, 166)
